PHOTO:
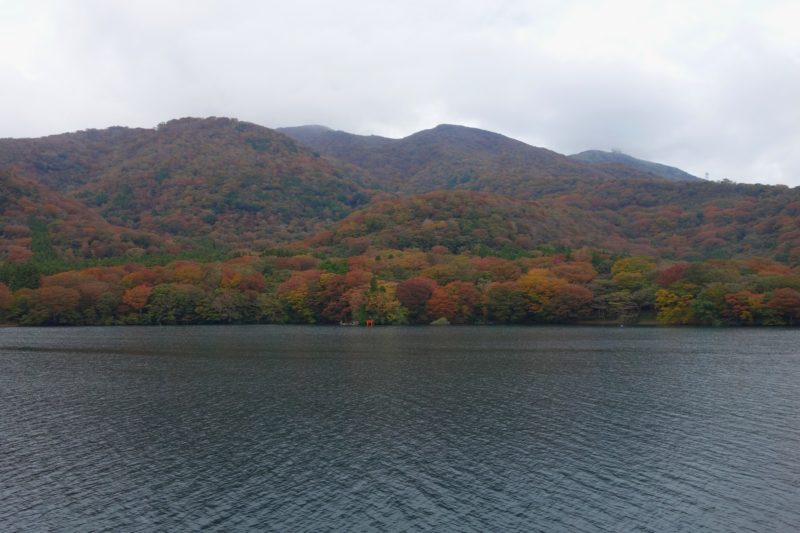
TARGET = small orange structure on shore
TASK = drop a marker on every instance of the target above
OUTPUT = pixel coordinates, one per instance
(370, 323)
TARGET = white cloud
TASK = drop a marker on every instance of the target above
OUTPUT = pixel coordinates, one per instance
(707, 86)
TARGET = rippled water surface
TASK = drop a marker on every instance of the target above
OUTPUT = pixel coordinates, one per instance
(466, 429)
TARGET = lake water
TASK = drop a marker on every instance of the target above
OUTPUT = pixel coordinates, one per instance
(348, 429)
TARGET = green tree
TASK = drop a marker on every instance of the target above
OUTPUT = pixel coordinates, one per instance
(174, 303)
(506, 303)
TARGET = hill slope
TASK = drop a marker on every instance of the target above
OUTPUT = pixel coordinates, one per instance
(37, 222)
(234, 182)
(712, 220)
(465, 221)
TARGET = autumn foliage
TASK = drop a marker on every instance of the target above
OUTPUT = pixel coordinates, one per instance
(220, 221)
(398, 287)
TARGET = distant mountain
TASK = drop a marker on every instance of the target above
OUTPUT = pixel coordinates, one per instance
(233, 182)
(600, 157)
(449, 157)
(328, 141)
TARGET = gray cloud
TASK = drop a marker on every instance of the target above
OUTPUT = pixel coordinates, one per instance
(707, 86)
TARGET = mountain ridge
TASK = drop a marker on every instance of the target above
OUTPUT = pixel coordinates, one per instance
(601, 157)
(449, 156)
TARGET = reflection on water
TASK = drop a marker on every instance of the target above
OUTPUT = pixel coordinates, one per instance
(301, 428)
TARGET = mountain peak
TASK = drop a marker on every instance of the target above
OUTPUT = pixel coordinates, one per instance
(311, 128)
(454, 127)
(475, 137)
(458, 129)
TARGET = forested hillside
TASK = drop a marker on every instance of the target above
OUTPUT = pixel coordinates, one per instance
(465, 221)
(40, 224)
(706, 220)
(630, 207)
(231, 182)
(219, 221)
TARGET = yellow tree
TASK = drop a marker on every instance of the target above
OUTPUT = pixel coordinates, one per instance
(540, 284)
(673, 308)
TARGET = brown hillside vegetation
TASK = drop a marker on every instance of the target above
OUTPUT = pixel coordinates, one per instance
(614, 217)
(464, 221)
(37, 220)
(244, 187)
(233, 182)
(221, 221)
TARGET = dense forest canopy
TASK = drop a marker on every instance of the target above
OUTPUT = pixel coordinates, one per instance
(409, 286)
(220, 221)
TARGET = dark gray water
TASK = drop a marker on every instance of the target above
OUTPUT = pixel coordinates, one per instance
(464, 429)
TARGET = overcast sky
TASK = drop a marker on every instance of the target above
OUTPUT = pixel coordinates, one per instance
(706, 86)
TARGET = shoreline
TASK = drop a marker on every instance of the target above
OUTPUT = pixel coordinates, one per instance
(598, 324)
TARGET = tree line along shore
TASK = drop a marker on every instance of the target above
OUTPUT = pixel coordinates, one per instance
(408, 287)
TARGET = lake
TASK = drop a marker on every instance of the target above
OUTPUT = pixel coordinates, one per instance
(293, 428)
